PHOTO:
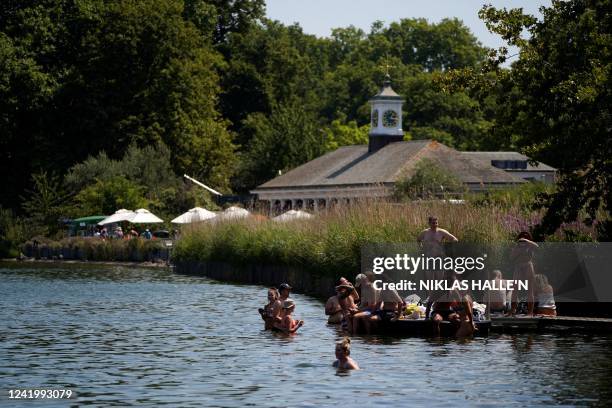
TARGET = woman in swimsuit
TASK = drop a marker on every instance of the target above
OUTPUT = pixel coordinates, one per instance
(544, 297)
(343, 352)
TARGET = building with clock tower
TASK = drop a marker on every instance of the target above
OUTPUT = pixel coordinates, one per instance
(358, 172)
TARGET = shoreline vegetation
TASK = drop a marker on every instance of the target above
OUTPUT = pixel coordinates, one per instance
(331, 241)
(95, 249)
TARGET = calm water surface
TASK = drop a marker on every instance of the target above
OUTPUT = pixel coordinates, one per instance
(123, 336)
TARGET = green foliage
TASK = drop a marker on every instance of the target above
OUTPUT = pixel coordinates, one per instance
(289, 136)
(114, 73)
(45, 202)
(558, 95)
(13, 232)
(95, 249)
(428, 180)
(148, 166)
(456, 119)
(104, 197)
(524, 197)
(331, 243)
(339, 134)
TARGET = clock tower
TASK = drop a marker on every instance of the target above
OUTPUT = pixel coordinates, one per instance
(386, 117)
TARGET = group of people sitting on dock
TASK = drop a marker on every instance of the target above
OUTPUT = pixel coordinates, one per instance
(361, 307)
(277, 314)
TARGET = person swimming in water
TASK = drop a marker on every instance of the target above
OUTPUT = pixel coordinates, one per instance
(284, 290)
(288, 324)
(348, 306)
(442, 304)
(464, 317)
(343, 352)
(267, 312)
(333, 310)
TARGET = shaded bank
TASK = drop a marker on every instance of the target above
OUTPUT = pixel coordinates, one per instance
(96, 249)
(311, 283)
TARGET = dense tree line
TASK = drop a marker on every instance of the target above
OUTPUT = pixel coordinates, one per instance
(219, 91)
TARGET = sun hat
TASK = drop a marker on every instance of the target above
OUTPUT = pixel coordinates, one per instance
(359, 279)
(343, 286)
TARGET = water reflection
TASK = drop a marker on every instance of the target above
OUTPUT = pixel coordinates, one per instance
(121, 336)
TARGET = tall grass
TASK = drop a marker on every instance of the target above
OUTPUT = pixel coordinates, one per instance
(331, 241)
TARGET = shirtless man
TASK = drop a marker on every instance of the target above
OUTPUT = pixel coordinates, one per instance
(433, 238)
(333, 310)
(432, 242)
(348, 306)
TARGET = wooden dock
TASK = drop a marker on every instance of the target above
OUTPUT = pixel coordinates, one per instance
(551, 324)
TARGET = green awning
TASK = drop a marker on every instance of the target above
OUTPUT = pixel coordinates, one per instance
(91, 220)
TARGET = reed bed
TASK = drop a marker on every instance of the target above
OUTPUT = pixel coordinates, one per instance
(332, 240)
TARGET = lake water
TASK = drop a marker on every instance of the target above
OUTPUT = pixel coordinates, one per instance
(121, 336)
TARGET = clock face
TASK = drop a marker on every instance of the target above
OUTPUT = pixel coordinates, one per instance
(375, 118)
(390, 118)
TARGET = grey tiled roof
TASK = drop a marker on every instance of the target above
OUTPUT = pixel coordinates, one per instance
(353, 165)
(488, 156)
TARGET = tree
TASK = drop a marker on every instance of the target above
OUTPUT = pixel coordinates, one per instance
(456, 119)
(558, 103)
(45, 202)
(221, 18)
(339, 134)
(290, 136)
(107, 196)
(115, 73)
(428, 180)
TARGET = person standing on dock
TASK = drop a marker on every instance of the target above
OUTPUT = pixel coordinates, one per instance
(522, 255)
(433, 238)
(431, 241)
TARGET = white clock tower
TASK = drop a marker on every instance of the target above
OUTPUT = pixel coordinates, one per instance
(386, 117)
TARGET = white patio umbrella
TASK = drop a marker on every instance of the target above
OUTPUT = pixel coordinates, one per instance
(118, 216)
(196, 214)
(144, 216)
(292, 215)
(234, 213)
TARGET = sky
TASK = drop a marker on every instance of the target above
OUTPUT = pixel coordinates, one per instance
(320, 16)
